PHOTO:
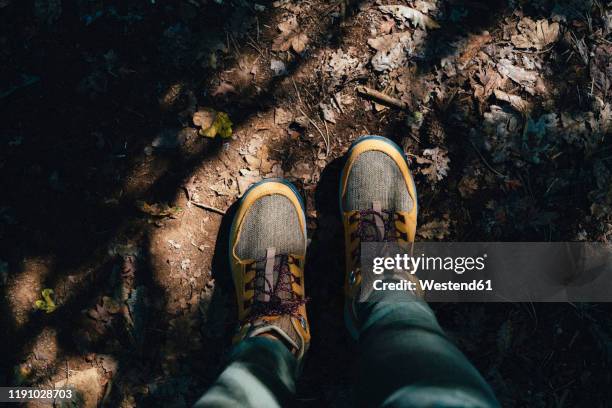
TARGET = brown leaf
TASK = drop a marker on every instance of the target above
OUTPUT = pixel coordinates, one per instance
(299, 42)
(536, 35)
(224, 88)
(386, 26)
(290, 37)
(405, 14)
(490, 80)
(391, 50)
(288, 25)
(519, 75)
(437, 229)
(515, 101)
(204, 118)
(467, 186)
(474, 44)
(437, 163)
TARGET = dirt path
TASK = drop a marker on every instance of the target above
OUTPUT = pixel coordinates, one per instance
(114, 200)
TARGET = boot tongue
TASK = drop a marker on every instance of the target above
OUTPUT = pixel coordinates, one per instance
(375, 225)
(269, 283)
(380, 225)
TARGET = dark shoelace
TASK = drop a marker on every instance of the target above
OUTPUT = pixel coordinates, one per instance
(368, 231)
(282, 300)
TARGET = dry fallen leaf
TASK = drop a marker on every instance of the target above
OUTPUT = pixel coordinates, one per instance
(303, 171)
(328, 112)
(515, 101)
(437, 229)
(467, 186)
(246, 180)
(519, 75)
(437, 163)
(290, 37)
(213, 123)
(490, 81)
(392, 50)
(474, 44)
(204, 118)
(536, 35)
(224, 88)
(405, 13)
(386, 26)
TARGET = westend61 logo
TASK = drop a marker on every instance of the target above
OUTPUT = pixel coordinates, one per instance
(412, 264)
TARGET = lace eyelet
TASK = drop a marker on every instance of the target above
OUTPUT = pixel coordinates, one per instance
(352, 277)
(303, 323)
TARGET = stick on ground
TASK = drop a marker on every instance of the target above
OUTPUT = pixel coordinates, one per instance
(381, 98)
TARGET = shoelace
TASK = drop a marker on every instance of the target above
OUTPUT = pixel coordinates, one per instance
(281, 299)
(375, 226)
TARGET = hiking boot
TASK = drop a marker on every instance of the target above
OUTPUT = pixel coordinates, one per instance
(378, 203)
(267, 254)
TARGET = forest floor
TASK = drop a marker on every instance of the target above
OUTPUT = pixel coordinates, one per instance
(113, 198)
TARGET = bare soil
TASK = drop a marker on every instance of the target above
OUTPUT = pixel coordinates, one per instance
(112, 198)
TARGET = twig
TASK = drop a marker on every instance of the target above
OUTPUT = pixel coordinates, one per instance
(254, 45)
(201, 205)
(337, 100)
(327, 133)
(312, 122)
(208, 207)
(535, 52)
(297, 91)
(381, 98)
(485, 161)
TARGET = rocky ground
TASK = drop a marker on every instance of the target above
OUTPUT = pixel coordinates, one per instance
(129, 130)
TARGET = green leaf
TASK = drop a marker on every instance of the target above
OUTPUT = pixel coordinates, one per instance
(46, 304)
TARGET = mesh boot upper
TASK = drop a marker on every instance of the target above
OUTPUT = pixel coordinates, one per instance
(271, 222)
(376, 177)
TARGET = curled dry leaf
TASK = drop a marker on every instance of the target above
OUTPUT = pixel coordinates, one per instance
(437, 163)
(519, 75)
(47, 303)
(515, 101)
(535, 34)
(408, 14)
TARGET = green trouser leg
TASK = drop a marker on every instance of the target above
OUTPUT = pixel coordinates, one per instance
(261, 373)
(407, 361)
